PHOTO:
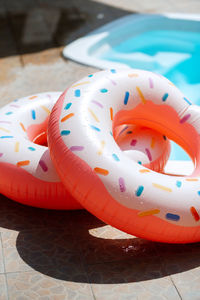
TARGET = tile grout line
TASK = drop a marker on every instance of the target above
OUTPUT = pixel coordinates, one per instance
(6, 280)
(175, 287)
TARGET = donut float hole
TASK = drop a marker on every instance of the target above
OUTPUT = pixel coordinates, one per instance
(165, 120)
(37, 133)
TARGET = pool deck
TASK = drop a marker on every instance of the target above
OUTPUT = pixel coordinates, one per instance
(56, 255)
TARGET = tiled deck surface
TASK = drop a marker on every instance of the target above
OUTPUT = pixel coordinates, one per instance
(72, 255)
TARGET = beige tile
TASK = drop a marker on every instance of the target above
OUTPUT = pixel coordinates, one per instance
(34, 285)
(188, 284)
(2, 269)
(131, 280)
(3, 288)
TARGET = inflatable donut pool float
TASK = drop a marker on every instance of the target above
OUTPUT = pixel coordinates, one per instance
(113, 187)
(27, 174)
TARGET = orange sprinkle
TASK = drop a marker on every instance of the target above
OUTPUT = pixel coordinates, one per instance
(23, 163)
(101, 171)
(194, 213)
(149, 212)
(144, 171)
(141, 94)
(67, 117)
(17, 147)
(93, 115)
(46, 109)
(111, 113)
(133, 75)
(32, 97)
(153, 142)
(192, 179)
(22, 126)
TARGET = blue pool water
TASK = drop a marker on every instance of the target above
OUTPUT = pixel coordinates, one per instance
(172, 53)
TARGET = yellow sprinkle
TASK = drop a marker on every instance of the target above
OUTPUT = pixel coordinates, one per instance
(3, 129)
(148, 212)
(93, 115)
(101, 148)
(81, 83)
(171, 83)
(46, 109)
(17, 147)
(111, 113)
(133, 75)
(152, 142)
(144, 171)
(141, 94)
(162, 187)
(192, 179)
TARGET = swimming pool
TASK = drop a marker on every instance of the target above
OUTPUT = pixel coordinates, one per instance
(167, 44)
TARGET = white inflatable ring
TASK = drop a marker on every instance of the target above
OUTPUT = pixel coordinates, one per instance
(120, 191)
(27, 174)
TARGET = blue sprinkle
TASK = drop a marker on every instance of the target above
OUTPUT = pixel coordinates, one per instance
(113, 71)
(111, 133)
(172, 217)
(115, 157)
(77, 93)
(126, 98)
(187, 101)
(165, 96)
(198, 192)
(15, 100)
(139, 190)
(95, 128)
(9, 113)
(178, 183)
(65, 132)
(103, 90)
(139, 162)
(31, 148)
(6, 137)
(68, 105)
(90, 75)
(33, 114)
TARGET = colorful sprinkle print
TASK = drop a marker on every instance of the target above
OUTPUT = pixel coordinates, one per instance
(185, 118)
(68, 105)
(149, 212)
(33, 114)
(172, 217)
(77, 93)
(101, 171)
(194, 213)
(43, 165)
(122, 185)
(76, 148)
(165, 96)
(141, 94)
(113, 93)
(116, 158)
(139, 191)
(23, 163)
(126, 97)
(65, 118)
(95, 128)
(103, 91)
(65, 132)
